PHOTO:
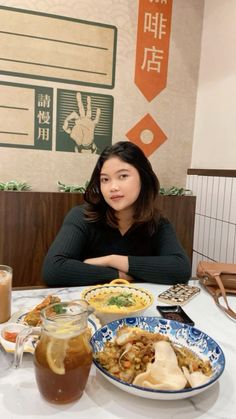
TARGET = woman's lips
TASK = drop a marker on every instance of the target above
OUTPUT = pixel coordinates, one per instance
(116, 197)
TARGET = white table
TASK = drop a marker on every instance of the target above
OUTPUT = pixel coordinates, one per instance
(20, 398)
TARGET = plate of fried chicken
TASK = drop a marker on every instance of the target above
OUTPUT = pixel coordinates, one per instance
(31, 318)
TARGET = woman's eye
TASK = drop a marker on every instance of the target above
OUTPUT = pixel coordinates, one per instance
(103, 180)
(123, 176)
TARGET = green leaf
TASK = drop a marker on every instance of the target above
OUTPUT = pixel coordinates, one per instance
(59, 309)
(71, 188)
(14, 185)
(174, 190)
(121, 300)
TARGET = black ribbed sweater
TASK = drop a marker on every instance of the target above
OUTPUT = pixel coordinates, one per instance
(158, 259)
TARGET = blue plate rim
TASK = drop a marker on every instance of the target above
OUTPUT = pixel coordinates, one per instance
(130, 385)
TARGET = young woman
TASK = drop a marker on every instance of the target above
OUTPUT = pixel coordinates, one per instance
(119, 231)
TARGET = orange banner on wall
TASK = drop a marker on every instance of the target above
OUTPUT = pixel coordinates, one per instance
(152, 50)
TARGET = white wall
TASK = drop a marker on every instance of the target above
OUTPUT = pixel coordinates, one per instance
(214, 144)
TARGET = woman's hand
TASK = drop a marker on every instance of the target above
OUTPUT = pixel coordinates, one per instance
(113, 261)
(119, 262)
(123, 275)
(100, 261)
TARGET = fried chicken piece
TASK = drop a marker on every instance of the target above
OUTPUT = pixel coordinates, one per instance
(33, 317)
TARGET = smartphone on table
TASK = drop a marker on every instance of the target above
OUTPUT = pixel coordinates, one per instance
(178, 294)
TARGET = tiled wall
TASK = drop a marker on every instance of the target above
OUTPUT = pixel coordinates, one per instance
(215, 218)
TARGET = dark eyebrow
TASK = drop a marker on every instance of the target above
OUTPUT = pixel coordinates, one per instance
(118, 171)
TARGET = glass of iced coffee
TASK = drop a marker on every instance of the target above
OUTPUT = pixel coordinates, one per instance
(63, 355)
(5, 292)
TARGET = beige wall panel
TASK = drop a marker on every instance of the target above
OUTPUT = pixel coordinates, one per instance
(173, 109)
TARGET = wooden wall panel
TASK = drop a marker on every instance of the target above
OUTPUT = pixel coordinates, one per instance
(180, 210)
(29, 221)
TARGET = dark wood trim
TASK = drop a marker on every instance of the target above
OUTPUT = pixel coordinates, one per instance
(212, 172)
(30, 287)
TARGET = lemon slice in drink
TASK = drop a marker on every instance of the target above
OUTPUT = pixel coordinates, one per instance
(56, 353)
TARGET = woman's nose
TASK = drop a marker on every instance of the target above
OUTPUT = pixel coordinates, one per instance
(114, 186)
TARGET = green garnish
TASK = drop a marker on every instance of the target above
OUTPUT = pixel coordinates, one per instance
(59, 309)
(121, 300)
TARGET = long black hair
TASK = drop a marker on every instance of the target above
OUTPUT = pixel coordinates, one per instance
(145, 207)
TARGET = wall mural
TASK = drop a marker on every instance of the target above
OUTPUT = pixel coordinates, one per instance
(84, 121)
(26, 116)
(152, 53)
(43, 46)
(55, 48)
(128, 63)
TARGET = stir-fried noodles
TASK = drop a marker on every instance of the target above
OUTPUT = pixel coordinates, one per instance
(138, 353)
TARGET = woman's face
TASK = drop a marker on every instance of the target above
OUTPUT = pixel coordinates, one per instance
(120, 184)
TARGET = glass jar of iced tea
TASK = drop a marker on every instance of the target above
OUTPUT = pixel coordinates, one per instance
(63, 355)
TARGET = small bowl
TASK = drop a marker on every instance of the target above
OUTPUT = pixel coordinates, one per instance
(8, 345)
(109, 313)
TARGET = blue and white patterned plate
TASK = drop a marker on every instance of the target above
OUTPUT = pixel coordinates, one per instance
(182, 334)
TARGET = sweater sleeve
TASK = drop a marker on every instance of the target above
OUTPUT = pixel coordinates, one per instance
(170, 265)
(63, 264)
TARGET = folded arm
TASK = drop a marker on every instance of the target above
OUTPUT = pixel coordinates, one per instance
(68, 263)
(170, 265)
(64, 263)
(118, 262)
